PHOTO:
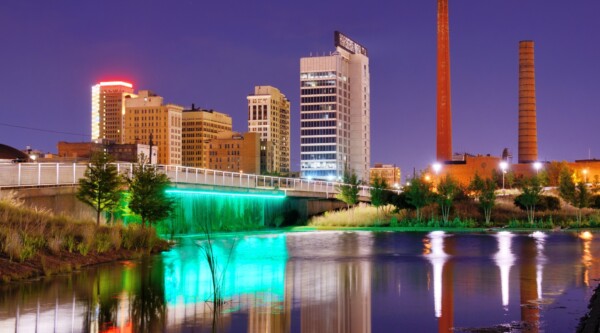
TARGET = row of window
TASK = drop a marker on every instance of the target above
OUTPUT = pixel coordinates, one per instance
(323, 115)
(326, 131)
(309, 157)
(317, 75)
(317, 148)
(322, 123)
(328, 139)
(319, 83)
(319, 107)
(317, 91)
(318, 99)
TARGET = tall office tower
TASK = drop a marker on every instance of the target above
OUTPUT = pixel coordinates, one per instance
(199, 126)
(528, 150)
(146, 115)
(444, 113)
(335, 112)
(269, 115)
(108, 109)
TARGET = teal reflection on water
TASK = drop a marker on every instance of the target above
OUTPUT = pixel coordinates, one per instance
(250, 266)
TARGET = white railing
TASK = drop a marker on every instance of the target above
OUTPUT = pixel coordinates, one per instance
(52, 174)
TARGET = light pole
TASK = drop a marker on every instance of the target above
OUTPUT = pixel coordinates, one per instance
(503, 167)
(585, 172)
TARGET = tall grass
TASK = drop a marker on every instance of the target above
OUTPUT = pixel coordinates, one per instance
(26, 232)
(464, 214)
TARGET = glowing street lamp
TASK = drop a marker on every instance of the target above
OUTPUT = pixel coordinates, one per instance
(537, 166)
(437, 167)
(503, 167)
(585, 172)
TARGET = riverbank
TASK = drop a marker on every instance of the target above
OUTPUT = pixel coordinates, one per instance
(47, 264)
(35, 242)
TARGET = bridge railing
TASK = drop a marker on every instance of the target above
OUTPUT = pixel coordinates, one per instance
(49, 174)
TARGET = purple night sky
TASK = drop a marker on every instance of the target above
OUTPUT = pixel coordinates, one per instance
(212, 53)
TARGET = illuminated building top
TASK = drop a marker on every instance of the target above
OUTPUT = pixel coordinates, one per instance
(348, 44)
(116, 83)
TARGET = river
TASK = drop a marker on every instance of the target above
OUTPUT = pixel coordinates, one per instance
(325, 281)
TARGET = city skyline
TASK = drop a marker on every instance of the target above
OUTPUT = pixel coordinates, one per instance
(79, 50)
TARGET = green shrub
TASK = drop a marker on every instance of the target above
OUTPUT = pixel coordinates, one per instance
(70, 243)
(83, 248)
(103, 243)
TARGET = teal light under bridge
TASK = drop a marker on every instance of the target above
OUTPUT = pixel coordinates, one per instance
(223, 210)
(227, 194)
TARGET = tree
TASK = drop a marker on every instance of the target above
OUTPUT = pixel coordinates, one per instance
(348, 191)
(100, 185)
(576, 194)
(447, 190)
(530, 196)
(554, 171)
(484, 191)
(418, 195)
(378, 189)
(148, 197)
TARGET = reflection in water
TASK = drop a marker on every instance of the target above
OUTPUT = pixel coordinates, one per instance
(434, 252)
(540, 238)
(334, 296)
(504, 259)
(530, 308)
(443, 278)
(322, 282)
(587, 257)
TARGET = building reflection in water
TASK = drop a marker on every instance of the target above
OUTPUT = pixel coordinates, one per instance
(505, 259)
(334, 288)
(438, 248)
(530, 279)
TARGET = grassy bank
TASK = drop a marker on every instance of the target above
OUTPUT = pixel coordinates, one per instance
(35, 242)
(465, 215)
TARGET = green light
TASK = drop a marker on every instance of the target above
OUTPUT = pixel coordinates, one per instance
(227, 194)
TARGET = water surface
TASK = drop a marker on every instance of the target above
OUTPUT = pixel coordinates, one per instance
(324, 282)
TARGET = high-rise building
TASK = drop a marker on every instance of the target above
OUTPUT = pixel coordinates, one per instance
(108, 109)
(146, 118)
(444, 114)
(335, 112)
(199, 127)
(269, 115)
(235, 152)
(528, 148)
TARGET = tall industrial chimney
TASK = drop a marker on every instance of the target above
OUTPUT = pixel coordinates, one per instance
(444, 115)
(528, 149)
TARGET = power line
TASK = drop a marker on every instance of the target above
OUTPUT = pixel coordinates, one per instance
(43, 130)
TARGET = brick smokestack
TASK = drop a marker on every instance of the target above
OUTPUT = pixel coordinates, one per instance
(444, 115)
(528, 149)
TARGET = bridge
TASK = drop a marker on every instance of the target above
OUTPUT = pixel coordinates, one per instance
(63, 174)
(53, 186)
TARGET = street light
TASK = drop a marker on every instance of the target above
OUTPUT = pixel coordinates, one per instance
(437, 167)
(585, 172)
(537, 166)
(503, 167)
